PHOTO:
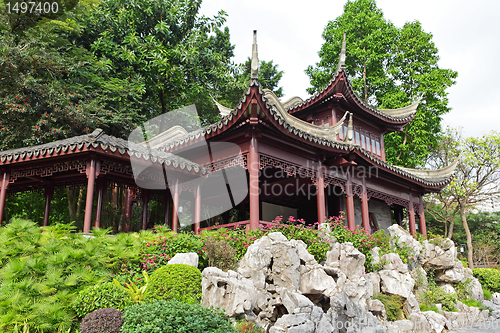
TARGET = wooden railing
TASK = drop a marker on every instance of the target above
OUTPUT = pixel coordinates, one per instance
(235, 224)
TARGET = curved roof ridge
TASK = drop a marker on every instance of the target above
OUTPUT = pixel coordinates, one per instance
(328, 133)
(444, 172)
(292, 102)
(405, 111)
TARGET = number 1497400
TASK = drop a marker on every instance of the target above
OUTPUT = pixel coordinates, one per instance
(32, 7)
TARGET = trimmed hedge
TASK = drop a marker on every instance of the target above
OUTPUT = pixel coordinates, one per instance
(100, 296)
(174, 316)
(489, 278)
(177, 281)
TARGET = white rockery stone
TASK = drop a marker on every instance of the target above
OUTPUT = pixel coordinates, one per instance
(393, 282)
(189, 258)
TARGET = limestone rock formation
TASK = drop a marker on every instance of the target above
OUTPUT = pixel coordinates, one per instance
(189, 258)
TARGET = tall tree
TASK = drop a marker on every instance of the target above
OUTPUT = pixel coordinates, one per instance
(166, 44)
(477, 176)
(389, 67)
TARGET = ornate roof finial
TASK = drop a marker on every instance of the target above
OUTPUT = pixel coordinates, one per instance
(255, 58)
(349, 137)
(341, 64)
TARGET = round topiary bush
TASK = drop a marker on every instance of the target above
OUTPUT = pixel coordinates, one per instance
(180, 282)
(174, 316)
(102, 321)
(100, 296)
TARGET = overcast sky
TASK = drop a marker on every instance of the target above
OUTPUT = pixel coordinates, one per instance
(466, 33)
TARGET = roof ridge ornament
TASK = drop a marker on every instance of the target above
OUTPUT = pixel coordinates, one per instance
(255, 58)
(342, 56)
(349, 137)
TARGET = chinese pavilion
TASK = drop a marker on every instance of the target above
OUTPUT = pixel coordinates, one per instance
(309, 159)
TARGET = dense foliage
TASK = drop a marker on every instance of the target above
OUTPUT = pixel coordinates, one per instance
(42, 273)
(100, 296)
(177, 281)
(174, 316)
(389, 67)
(489, 278)
(393, 305)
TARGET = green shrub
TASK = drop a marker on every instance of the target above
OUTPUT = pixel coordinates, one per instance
(474, 303)
(102, 321)
(42, 273)
(158, 252)
(424, 307)
(180, 282)
(436, 295)
(100, 296)
(464, 289)
(489, 278)
(220, 254)
(174, 316)
(487, 294)
(393, 306)
(383, 241)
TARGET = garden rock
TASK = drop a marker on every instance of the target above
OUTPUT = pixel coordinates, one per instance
(436, 257)
(317, 282)
(229, 291)
(393, 282)
(495, 298)
(189, 258)
(256, 262)
(447, 288)
(394, 262)
(374, 279)
(452, 275)
(411, 305)
(403, 237)
(400, 326)
(346, 257)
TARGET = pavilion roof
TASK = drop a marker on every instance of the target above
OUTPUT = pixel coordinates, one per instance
(95, 140)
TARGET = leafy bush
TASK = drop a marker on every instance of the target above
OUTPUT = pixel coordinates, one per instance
(174, 316)
(383, 241)
(393, 306)
(436, 295)
(464, 289)
(41, 273)
(180, 282)
(102, 321)
(166, 245)
(424, 307)
(135, 292)
(489, 278)
(487, 294)
(220, 254)
(240, 239)
(100, 296)
(474, 303)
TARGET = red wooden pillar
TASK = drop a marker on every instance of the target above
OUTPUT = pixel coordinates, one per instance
(320, 194)
(175, 215)
(166, 207)
(411, 216)
(101, 186)
(128, 208)
(3, 192)
(253, 170)
(365, 215)
(91, 175)
(48, 194)
(197, 209)
(145, 196)
(421, 216)
(351, 223)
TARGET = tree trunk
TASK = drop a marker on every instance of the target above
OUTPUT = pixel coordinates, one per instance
(445, 229)
(71, 204)
(79, 205)
(469, 236)
(450, 231)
